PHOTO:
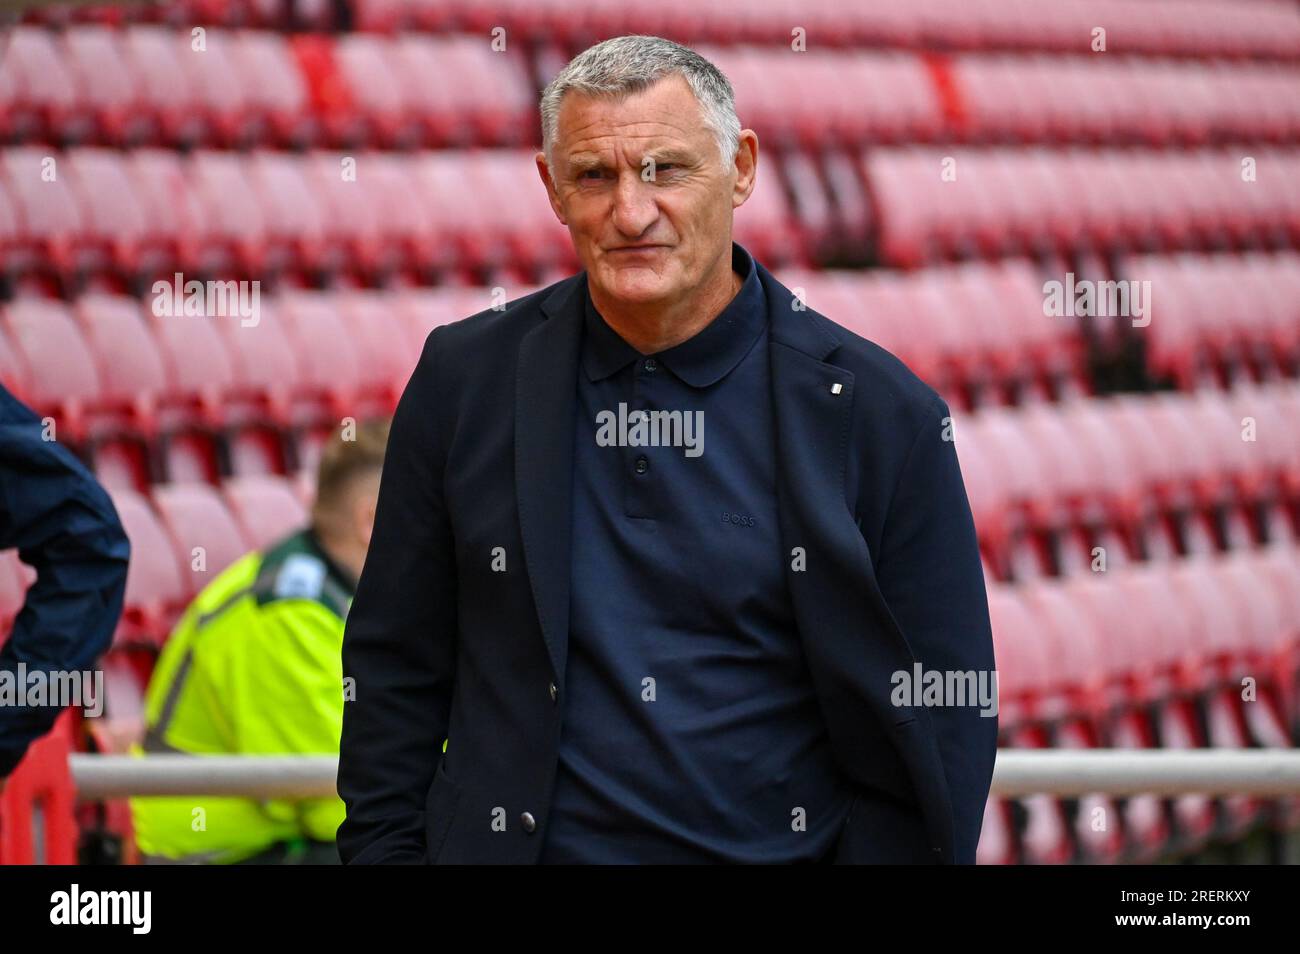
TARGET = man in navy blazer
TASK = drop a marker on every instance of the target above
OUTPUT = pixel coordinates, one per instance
(667, 567)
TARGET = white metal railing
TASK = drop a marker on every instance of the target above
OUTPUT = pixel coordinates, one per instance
(1264, 772)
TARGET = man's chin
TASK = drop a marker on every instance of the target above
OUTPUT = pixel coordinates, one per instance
(636, 285)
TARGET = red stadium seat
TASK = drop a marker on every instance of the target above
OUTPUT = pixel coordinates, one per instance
(327, 356)
(40, 92)
(45, 207)
(265, 507)
(233, 217)
(104, 82)
(113, 216)
(62, 378)
(205, 536)
(156, 58)
(276, 96)
(155, 590)
(297, 224)
(382, 345)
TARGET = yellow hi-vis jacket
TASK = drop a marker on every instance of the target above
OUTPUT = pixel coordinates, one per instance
(254, 667)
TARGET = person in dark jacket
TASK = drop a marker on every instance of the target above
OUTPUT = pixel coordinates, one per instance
(665, 563)
(65, 527)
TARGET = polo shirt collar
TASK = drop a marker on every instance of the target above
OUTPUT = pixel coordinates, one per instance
(701, 360)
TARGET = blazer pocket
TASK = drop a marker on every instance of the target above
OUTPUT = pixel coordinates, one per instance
(439, 810)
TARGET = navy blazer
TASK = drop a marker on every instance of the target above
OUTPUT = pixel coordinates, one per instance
(439, 644)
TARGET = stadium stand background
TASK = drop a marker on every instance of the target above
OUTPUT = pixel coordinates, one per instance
(208, 137)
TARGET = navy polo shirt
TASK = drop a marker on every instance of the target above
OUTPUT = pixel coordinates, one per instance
(691, 729)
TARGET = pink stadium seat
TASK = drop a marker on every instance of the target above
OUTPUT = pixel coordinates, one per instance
(415, 231)
(327, 357)
(367, 69)
(462, 92)
(382, 344)
(62, 378)
(176, 218)
(220, 86)
(267, 368)
(156, 58)
(353, 219)
(113, 216)
(276, 95)
(1021, 657)
(265, 507)
(131, 369)
(40, 92)
(205, 536)
(45, 207)
(234, 218)
(104, 82)
(296, 220)
(155, 590)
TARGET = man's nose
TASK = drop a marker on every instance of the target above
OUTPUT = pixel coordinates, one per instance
(634, 205)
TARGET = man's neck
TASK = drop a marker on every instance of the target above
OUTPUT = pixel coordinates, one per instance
(657, 328)
(349, 556)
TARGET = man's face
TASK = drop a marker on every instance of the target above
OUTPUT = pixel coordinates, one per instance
(646, 197)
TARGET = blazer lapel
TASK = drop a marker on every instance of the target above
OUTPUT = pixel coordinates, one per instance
(545, 397)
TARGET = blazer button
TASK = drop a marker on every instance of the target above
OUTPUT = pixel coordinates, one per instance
(554, 692)
(529, 822)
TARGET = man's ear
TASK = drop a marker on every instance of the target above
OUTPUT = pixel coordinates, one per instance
(551, 195)
(746, 167)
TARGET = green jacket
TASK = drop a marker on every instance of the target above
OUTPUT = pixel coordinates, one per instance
(253, 667)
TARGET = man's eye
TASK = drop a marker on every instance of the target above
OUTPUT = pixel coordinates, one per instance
(590, 174)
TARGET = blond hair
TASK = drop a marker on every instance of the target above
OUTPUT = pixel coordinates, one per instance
(343, 460)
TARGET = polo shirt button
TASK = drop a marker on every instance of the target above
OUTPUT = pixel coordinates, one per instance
(651, 364)
(554, 692)
(529, 822)
(642, 465)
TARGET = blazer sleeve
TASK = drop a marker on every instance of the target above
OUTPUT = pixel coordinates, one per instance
(399, 642)
(66, 528)
(932, 578)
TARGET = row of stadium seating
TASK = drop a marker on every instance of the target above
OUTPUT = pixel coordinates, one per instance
(1169, 27)
(116, 376)
(104, 366)
(1191, 654)
(435, 213)
(1141, 476)
(831, 98)
(154, 84)
(1217, 316)
(151, 211)
(932, 203)
(147, 84)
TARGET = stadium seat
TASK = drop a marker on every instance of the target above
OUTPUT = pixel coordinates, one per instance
(155, 590)
(205, 537)
(265, 507)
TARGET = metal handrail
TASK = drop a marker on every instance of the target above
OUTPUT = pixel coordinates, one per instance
(1263, 772)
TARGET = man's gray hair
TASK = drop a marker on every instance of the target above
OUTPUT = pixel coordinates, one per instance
(629, 64)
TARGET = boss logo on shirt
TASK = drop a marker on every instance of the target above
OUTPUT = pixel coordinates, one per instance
(738, 519)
